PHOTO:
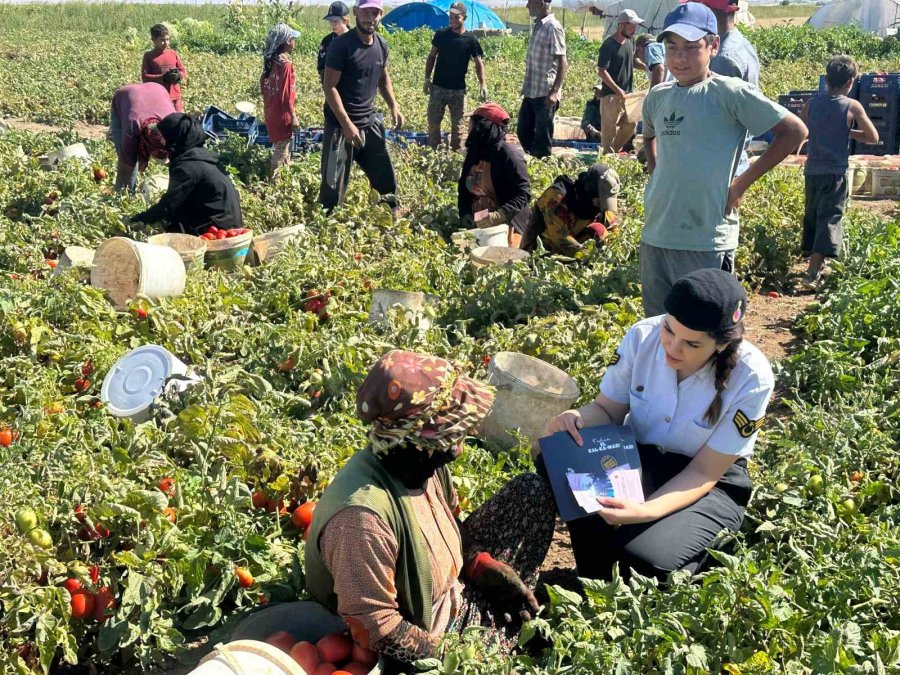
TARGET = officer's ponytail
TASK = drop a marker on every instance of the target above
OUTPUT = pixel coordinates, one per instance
(724, 362)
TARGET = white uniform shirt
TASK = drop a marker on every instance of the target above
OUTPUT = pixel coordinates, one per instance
(671, 414)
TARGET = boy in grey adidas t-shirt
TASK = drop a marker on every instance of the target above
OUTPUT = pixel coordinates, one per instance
(694, 130)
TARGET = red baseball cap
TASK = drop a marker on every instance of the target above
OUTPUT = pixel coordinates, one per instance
(492, 112)
(727, 6)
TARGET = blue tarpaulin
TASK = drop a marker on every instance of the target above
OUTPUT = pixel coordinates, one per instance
(433, 15)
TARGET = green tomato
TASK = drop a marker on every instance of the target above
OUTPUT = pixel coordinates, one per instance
(848, 508)
(816, 485)
(26, 520)
(782, 487)
(40, 538)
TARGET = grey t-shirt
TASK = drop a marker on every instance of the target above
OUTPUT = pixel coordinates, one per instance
(736, 47)
(699, 132)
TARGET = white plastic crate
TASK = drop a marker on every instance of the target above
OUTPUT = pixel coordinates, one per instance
(886, 183)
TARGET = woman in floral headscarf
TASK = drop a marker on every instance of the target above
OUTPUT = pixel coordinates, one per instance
(135, 112)
(386, 550)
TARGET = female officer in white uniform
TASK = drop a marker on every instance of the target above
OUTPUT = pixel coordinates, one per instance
(695, 394)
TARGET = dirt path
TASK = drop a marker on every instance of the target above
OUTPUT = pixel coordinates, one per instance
(93, 132)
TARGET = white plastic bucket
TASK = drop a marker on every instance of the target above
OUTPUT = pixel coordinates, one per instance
(267, 245)
(303, 619)
(530, 393)
(154, 186)
(74, 151)
(413, 304)
(78, 257)
(127, 268)
(137, 378)
(497, 255)
(248, 657)
(482, 236)
(191, 249)
(229, 253)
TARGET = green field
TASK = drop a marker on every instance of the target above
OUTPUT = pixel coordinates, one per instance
(812, 583)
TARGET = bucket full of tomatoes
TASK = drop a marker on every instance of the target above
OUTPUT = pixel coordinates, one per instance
(227, 249)
(316, 639)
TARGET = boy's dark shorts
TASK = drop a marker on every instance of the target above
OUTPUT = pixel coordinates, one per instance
(826, 198)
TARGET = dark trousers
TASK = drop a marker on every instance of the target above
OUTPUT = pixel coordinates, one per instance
(823, 217)
(678, 541)
(535, 127)
(337, 160)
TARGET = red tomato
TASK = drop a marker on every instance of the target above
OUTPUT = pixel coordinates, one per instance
(258, 499)
(212, 230)
(82, 603)
(102, 531)
(95, 574)
(6, 437)
(141, 313)
(335, 648)
(303, 515)
(104, 604)
(283, 640)
(79, 513)
(354, 668)
(325, 669)
(221, 235)
(231, 233)
(305, 654)
(245, 579)
(774, 294)
(71, 585)
(167, 486)
(363, 656)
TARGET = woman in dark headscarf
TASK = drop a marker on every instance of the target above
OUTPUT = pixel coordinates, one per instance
(385, 548)
(572, 212)
(494, 188)
(200, 193)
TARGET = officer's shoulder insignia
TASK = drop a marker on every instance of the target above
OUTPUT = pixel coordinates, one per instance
(745, 426)
(615, 359)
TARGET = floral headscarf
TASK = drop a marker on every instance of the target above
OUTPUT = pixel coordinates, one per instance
(421, 399)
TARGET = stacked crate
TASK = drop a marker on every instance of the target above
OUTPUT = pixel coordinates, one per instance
(879, 94)
(794, 101)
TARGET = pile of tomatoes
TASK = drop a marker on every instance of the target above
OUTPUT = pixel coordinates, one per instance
(334, 654)
(215, 233)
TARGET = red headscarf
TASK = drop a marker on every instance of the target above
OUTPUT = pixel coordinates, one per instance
(151, 143)
(492, 112)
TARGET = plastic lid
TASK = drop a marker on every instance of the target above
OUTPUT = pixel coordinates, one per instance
(245, 107)
(136, 379)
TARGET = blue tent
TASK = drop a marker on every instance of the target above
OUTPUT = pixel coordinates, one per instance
(478, 16)
(414, 15)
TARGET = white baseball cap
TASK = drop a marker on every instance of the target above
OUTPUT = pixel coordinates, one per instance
(630, 16)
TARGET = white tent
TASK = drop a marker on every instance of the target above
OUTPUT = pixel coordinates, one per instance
(878, 16)
(653, 12)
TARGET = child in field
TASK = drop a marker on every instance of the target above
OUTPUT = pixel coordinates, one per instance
(278, 92)
(162, 65)
(694, 131)
(339, 20)
(830, 116)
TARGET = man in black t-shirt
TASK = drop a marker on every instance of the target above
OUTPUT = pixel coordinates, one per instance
(355, 70)
(339, 18)
(616, 69)
(453, 48)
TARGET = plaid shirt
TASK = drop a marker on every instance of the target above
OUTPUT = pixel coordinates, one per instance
(548, 41)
